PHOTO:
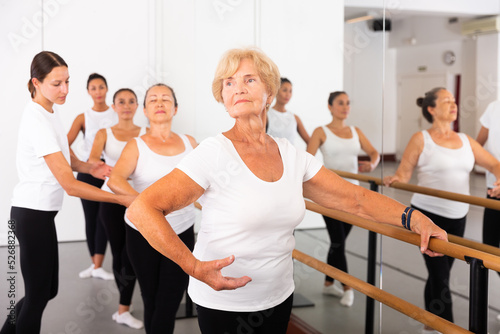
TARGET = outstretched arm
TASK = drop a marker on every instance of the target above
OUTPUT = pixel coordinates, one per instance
(329, 190)
(64, 175)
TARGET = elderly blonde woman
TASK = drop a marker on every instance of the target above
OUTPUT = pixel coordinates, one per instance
(251, 187)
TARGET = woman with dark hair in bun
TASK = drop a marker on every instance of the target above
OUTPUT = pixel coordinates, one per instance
(45, 168)
(443, 159)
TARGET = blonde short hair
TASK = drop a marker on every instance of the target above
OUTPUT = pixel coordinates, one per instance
(230, 61)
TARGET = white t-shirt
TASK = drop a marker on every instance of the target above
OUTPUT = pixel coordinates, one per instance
(491, 120)
(95, 121)
(282, 125)
(341, 153)
(249, 218)
(150, 168)
(112, 151)
(446, 169)
(41, 133)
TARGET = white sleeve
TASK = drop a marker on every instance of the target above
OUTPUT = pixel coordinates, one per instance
(43, 137)
(486, 118)
(200, 163)
(312, 166)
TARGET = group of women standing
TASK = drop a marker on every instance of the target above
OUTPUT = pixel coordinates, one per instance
(241, 267)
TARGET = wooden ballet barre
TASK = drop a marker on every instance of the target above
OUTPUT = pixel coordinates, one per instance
(382, 296)
(487, 203)
(457, 251)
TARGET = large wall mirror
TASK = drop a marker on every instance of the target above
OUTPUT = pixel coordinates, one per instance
(384, 54)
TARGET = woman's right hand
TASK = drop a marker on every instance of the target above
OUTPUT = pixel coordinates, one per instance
(209, 272)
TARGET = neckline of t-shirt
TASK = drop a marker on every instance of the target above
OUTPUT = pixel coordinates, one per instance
(235, 151)
(447, 148)
(41, 109)
(333, 133)
(165, 156)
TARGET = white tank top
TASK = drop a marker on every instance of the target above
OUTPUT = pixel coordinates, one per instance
(150, 168)
(95, 121)
(444, 169)
(341, 153)
(282, 125)
(112, 151)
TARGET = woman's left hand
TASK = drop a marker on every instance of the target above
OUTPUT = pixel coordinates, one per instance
(422, 225)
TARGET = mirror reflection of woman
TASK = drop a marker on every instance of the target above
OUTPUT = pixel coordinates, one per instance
(340, 145)
(89, 122)
(281, 122)
(109, 143)
(145, 160)
(443, 159)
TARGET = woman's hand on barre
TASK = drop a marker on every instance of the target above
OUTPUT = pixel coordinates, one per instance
(427, 229)
(388, 180)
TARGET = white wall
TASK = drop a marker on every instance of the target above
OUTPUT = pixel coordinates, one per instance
(363, 79)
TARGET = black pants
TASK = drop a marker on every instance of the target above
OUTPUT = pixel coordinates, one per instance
(491, 226)
(338, 232)
(36, 232)
(162, 282)
(437, 293)
(111, 215)
(271, 321)
(94, 229)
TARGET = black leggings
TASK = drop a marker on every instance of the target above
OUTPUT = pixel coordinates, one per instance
(162, 282)
(437, 293)
(36, 232)
(271, 321)
(111, 215)
(338, 232)
(94, 229)
(491, 226)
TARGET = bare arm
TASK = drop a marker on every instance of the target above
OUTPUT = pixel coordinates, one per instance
(367, 166)
(77, 126)
(408, 161)
(317, 139)
(98, 146)
(329, 190)
(124, 167)
(482, 136)
(485, 159)
(302, 130)
(64, 175)
(172, 192)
